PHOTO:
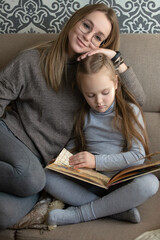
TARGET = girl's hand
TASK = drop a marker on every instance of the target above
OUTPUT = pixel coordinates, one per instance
(108, 52)
(83, 160)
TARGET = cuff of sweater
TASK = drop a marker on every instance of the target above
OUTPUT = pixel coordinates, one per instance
(99, 165)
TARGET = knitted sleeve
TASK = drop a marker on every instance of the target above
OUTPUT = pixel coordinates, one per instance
(129, 78)
(11, 83)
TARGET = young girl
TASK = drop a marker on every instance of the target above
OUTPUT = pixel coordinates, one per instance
(110, 135)
(37, 85)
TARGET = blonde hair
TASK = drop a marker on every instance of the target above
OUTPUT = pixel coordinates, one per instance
(125, 119)
(53, 54)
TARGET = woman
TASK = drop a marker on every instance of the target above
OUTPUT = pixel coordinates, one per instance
(38, 86)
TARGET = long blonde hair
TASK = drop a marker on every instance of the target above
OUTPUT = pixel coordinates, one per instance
(53, 54)
(125, 119)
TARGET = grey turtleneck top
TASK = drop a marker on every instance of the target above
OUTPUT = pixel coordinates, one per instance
(106, 142)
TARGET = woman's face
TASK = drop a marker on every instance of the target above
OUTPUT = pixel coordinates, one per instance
(88, 33)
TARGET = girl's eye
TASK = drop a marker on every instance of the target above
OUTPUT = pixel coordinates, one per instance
(105, 93)
(90, 96)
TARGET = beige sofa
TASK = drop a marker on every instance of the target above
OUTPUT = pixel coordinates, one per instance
(141, 51)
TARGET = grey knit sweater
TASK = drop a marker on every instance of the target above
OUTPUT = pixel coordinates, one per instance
(41, 118)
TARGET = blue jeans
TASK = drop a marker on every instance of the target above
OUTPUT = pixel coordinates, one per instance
(22, 177)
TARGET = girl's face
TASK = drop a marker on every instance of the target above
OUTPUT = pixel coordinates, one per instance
(88, 33)
(98, 89)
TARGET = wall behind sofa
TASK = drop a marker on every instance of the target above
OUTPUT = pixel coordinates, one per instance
(40, 16)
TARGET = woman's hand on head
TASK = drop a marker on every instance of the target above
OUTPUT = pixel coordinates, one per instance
(83, 160)
(108, 52)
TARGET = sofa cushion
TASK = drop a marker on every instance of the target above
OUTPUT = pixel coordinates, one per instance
(141, 52)
(7, 234)
(102, 229)
(14, 43)
(153, 128)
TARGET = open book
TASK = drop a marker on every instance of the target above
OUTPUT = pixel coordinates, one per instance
(61, 165)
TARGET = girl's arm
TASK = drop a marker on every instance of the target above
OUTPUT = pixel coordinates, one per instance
(109, 162)
(119, 161)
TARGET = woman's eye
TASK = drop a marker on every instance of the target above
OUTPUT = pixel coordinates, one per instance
(106, 93)
(98, 38)
(87, 26)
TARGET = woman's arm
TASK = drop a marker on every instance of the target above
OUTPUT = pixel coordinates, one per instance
(11, 83)
(131, 81)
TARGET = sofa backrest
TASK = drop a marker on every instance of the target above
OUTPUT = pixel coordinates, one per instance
(141, 51)
(11, 44)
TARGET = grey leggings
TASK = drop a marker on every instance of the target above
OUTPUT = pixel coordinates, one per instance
(102, 203)
(22, 177)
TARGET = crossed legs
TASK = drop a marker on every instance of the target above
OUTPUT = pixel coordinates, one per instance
(87, 206)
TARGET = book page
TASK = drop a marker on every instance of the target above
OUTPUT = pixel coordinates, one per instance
(63, 158)
(135, 171)
(61, 165)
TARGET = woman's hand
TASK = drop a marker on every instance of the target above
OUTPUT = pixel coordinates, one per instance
(108, 52)
(83, 160)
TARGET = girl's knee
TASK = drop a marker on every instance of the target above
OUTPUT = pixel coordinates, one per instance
(52, 175)
(51, 178)
(147, 184)
(153, 183)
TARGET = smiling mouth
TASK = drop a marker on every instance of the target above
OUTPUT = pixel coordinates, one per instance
(81, 43)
